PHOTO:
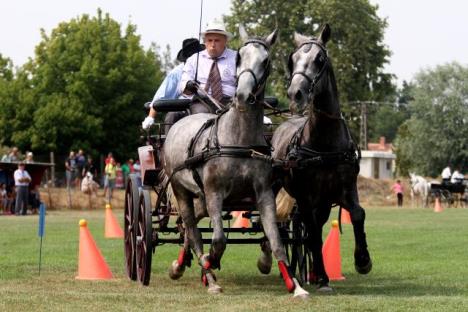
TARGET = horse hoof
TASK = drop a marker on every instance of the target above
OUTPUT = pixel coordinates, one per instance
(325, 290)
(264, 266)
(301, 293)
(215, 289)
(176, 271)
(364, 269)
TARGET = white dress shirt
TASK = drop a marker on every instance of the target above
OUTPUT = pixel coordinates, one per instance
(21, 174)
(226, 66)
(446, 173)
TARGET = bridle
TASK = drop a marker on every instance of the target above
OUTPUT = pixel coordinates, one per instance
(314, 80)
(259, 84)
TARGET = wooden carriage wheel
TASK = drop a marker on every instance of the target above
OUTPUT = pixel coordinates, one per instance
(144, 244)
(132, 198)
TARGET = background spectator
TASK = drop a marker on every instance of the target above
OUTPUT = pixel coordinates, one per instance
(125, 173)
(70, 168)
(89, 167)
(119, 180)
(111, 173)
(80, 164)
(106, 180)
(398, 190)
(22, 180)
(5, 201)
(29, 157)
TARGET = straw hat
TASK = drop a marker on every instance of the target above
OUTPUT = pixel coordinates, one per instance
(216, 27)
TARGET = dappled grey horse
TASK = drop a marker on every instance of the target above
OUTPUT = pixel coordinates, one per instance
(324, 159)
(209, 159)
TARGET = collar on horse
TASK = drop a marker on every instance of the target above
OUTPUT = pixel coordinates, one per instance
(301, 157)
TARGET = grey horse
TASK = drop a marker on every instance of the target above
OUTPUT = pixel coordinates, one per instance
(209, 159)
(324, 160)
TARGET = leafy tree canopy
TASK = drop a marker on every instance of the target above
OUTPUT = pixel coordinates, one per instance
(356, 48)
(84, 89)
(437, 132)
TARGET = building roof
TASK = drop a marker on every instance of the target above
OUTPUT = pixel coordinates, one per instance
(380, 146)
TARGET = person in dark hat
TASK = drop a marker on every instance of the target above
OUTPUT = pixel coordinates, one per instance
(169, 87)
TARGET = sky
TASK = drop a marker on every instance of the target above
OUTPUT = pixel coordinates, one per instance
(421, 33)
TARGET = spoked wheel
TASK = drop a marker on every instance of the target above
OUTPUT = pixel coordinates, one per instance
(144, 245)
(298, 253)
(132, 198)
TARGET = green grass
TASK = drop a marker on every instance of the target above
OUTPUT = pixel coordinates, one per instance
(420, 264)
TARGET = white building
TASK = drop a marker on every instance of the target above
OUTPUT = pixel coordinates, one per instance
(378, 161)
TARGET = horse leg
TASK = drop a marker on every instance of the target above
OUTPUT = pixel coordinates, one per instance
(362, 259)
(318, 217)
(186, 210)
(214, 203)
(267, 208)
(265, 260)
(184, 259)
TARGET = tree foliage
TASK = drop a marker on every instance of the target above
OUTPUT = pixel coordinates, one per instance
(84, 89)
(356, 48)
(437, 132)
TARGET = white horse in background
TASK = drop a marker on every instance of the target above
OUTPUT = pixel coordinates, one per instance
(419, 187)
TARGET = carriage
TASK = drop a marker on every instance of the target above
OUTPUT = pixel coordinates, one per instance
(451, 194)
(152, 220)
(313, 150)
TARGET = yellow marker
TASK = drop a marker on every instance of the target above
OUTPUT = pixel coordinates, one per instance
(83, 222)
(334, 223)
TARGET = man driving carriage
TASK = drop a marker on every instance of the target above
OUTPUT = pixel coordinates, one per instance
(213, 70)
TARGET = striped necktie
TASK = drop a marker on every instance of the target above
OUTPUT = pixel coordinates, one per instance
(214, 81)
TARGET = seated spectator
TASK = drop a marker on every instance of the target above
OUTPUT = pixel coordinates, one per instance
(29, 157)
(12, 156)
(4, 200)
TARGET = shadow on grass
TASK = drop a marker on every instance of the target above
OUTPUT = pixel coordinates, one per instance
(356, 285)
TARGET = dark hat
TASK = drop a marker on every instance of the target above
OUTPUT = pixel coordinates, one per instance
(189, 46)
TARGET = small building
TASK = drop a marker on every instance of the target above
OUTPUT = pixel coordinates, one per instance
(378, 161)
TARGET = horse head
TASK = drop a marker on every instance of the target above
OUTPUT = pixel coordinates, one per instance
(309, 68)
(253, 67)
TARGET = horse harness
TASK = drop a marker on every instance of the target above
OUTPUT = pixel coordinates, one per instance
(301, 157)
(313, 81)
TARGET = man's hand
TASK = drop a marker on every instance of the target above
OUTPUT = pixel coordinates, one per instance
(147, 123)
(192, 86)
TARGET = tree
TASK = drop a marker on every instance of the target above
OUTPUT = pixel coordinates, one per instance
(387, 117)
(437, 132)
(357, 50)
(90, 82)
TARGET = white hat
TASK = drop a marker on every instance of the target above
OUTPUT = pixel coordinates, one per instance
(216, 27)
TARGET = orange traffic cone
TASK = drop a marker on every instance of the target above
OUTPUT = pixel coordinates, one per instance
(331, 254)
(345, 217)
(112, 227)
(91, 263)
(241, 222)
(437, 205)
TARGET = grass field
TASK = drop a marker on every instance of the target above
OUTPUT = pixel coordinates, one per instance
(420, 264)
